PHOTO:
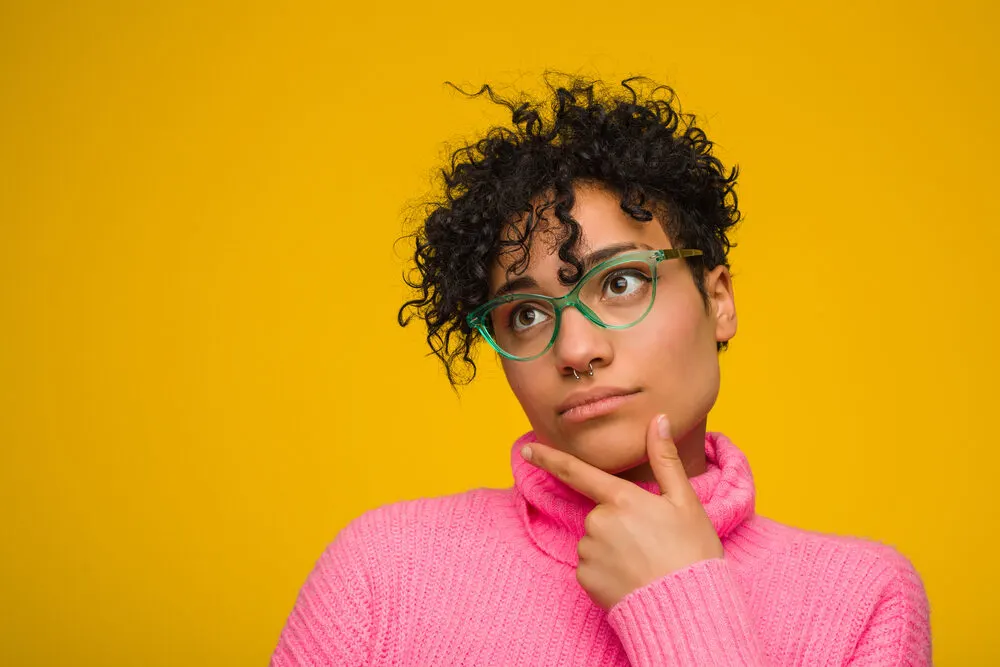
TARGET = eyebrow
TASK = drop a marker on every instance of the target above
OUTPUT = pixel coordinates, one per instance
(590, 260)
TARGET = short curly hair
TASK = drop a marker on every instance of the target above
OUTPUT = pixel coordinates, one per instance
(632, 140)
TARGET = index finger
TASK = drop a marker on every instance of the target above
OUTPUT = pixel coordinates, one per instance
(596, 484)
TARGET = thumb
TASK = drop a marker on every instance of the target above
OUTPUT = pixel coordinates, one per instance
(664, 459)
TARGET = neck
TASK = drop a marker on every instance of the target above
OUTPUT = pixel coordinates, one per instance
(690, 448)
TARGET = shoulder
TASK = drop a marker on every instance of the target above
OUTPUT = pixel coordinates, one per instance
(418, 514)
(885, 611)
(869, 564)
(420, 527)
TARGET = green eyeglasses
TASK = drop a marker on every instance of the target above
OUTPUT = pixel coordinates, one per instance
(615, 294)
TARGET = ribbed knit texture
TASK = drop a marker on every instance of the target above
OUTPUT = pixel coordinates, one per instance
(488, 577)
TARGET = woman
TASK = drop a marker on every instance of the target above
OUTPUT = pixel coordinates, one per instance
(587, 244)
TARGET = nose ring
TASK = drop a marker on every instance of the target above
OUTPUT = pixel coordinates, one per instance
(590, 371)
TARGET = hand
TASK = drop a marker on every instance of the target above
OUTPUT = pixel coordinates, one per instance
(634, 537)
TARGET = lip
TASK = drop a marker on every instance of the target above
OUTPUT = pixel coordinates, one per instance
(594, 402)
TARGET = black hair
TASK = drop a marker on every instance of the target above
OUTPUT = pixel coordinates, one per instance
(632, 140)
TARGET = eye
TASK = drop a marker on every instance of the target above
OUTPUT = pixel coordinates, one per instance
(526, 316)
(625, 283)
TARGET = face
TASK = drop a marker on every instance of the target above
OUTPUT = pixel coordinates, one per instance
(667, 362)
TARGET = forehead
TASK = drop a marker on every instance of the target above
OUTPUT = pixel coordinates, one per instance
(602, 223)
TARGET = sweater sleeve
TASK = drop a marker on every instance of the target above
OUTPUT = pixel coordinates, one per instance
(331, 622)
(696, 616)
(898, 632)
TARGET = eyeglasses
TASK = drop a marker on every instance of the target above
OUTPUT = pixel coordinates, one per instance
(615, 294)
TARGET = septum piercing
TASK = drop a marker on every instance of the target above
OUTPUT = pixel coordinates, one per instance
(590, 371)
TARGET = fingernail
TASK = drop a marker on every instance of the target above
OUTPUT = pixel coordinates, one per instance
(526, 453)
(664, 426)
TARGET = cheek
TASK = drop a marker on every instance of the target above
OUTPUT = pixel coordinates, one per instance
(667, 338)
(526, 382)
(677, 352)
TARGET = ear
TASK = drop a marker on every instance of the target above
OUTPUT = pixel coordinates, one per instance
(722, 302)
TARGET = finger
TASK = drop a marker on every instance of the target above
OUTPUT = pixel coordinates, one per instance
(664, 459)
(596, 484)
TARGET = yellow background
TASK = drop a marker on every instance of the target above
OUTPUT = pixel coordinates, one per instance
(202, 378)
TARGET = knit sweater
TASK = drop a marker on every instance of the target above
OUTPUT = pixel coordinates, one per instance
(487, 577)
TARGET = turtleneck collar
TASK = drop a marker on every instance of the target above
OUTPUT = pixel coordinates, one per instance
(553, 513)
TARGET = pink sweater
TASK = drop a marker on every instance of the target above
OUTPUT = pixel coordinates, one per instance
(487, 577)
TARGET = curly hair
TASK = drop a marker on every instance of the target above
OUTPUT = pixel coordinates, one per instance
(633, 140)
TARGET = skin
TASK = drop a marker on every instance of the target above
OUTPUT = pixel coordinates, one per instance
(632, 537)
(670, 357)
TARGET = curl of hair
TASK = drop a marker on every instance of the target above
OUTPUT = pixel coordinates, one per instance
(633, 140)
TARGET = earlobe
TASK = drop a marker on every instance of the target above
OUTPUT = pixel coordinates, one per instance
(725, 306)
(725, 323)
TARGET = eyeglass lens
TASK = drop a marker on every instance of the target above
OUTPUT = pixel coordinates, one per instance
(619, 296)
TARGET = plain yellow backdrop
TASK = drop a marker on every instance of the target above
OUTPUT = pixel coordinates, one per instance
(202, 377)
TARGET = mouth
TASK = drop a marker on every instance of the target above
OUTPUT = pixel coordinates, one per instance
(594, 403)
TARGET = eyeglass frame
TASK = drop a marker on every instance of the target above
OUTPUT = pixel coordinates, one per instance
(477, 320)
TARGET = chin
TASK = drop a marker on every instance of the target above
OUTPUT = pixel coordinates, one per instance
(612, 446)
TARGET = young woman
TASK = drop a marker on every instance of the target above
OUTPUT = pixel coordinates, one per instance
(587, 244)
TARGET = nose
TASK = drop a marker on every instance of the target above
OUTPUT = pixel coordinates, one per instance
(580, 343)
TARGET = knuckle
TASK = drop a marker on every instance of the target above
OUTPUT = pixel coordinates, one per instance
(622, 498)
(561, 470)
(688, 502)
(669, 451)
